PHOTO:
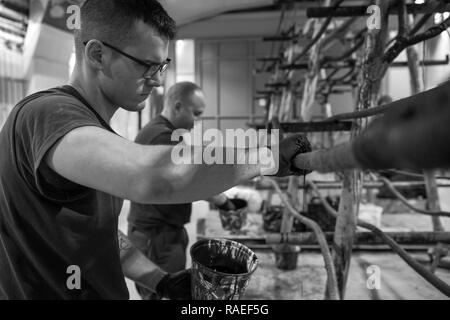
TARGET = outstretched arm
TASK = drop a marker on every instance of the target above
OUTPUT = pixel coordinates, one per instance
(98, 159)
(95, 158)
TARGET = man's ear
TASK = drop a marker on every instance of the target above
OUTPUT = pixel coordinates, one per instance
(94, 54)
(177, 107)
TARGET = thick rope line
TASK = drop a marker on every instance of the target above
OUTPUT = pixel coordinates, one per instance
(361, 114)
(405, 201)
(329, 266)
(412, 174)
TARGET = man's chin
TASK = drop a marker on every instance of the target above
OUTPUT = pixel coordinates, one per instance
(134, 107)
(141, 106)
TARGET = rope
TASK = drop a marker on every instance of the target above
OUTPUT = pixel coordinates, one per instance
(329, 266)
(391, 188)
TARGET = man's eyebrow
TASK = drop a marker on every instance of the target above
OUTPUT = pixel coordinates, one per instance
(154, 62)
(151, 62)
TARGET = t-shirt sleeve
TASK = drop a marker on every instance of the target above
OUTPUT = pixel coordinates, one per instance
(40, 125)
(164, 138)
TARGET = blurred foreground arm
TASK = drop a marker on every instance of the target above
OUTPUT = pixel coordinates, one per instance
(98, 159)
(414, 134)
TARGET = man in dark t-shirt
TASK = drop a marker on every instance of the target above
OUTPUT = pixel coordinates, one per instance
(49, 214)
(158, 230)
(63, 171)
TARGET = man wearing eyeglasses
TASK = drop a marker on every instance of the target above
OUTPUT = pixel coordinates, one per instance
(64, 171)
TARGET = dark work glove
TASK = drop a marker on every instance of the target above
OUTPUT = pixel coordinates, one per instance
(289, 148)
(175, 286)
(227, 206)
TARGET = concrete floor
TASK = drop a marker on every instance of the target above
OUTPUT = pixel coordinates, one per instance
(397, 280)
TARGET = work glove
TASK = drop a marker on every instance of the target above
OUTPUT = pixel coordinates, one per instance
(175, 286)
(289, 148)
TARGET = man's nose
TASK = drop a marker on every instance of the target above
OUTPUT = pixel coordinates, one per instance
(155, 81)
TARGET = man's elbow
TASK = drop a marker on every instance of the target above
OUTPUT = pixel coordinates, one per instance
(154, 189)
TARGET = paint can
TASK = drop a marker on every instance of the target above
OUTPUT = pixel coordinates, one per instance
(286, 256)
(221, 269)
(234, 220)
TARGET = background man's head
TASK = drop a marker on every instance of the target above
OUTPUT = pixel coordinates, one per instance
(184, 103)
(138, 28)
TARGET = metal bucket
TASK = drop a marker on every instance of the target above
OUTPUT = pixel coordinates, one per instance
(286, 256)
(221, 269)
(233, 220)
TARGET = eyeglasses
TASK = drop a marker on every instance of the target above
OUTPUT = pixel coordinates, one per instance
(152, 68)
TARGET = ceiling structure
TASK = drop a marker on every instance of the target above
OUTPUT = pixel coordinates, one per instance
(14, 14)
(183, 11)
(13, 23)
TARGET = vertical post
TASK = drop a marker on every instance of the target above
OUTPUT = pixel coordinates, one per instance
(312, 76)
(370, 75)
(433, 199)
(434, 205)
(284, 112)
(345, 230)
(288, 220)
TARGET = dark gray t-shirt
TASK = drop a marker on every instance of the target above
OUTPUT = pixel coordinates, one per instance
(48, 223)
(145, 216)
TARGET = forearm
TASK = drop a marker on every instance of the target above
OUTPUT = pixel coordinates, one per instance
(136, 266)
(186, 182)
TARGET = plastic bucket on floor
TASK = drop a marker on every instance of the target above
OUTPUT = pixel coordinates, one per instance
(286, 256)
(221, 269)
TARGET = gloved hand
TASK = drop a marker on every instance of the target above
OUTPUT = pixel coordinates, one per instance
(175, 286)
(227, 206)
(289, 148)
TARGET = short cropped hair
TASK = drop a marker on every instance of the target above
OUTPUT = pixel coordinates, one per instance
(112, 21)
(180, 92)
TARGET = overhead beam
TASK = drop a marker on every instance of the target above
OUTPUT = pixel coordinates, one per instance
(14, 7)
(314, 126)
(356, 11)
(361, 238)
